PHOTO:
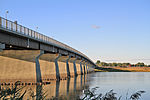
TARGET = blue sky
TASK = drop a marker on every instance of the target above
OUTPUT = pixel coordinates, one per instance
(109, 30)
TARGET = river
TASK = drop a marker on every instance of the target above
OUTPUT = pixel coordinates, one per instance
(122, 83)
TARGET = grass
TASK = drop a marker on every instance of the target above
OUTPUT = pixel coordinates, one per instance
(122, 69)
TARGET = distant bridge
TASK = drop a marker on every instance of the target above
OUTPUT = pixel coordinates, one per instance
(27, 55)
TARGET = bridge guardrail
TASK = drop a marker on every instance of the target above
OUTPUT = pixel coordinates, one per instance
(13, 26)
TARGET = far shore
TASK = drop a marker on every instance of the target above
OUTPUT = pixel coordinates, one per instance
(123, 69)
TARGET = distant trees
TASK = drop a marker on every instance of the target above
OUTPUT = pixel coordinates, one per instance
(140, 64)
(114, 64)
(98, 62)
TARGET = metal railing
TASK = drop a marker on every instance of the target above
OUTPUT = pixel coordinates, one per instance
(13, 26)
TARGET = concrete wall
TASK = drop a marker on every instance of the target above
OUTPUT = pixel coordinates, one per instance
(21, 65)
(12, 70)
(18, 65)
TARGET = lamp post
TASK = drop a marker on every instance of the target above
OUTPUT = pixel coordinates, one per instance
(36, 29)
(7, 13)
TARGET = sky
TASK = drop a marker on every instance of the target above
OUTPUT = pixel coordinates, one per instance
(105, 30)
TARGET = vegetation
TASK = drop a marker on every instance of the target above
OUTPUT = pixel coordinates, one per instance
(114, 64)
(90, 94)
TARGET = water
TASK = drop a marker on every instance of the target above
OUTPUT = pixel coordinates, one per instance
(121, 82)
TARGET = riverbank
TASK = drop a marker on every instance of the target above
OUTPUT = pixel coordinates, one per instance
(121, 69)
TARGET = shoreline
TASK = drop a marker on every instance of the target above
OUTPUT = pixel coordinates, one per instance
(121, 69)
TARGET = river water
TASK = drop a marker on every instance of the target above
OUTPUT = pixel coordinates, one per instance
(122, 83)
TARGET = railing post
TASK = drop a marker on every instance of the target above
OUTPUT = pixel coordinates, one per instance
(20, 29)
(6, 23)
(28, 32)
(34, 35)
(16, 27)
(24, 30)
(12, 26)
(0, 22)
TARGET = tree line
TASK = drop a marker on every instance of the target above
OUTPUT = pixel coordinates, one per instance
(114, 64)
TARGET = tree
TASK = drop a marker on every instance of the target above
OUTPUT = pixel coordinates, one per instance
(98, 62)
(140, 64)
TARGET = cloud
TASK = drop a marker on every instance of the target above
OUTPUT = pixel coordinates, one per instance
(95, 26)
(140, 59)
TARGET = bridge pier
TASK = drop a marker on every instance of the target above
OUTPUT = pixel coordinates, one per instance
(38, 69)
(57, 67)
(67, 66)
(84, 67)
(81, 67)
(38, 66)
(75, 68)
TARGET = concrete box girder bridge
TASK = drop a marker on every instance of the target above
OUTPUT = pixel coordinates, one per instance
(27, 55)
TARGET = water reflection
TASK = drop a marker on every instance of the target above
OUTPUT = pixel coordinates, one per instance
(66, 89)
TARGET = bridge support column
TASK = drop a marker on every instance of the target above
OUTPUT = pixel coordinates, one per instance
(38, 70)
(57, 67)
(84, 65)
(87, 68)
(81, 67)
(67, 66)
(75, 69)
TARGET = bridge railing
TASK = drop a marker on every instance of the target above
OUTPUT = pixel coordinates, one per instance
(13, 26)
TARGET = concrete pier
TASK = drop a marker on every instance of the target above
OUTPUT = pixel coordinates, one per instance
(37, 66)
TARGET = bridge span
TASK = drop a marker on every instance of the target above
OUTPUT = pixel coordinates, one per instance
(28, 56)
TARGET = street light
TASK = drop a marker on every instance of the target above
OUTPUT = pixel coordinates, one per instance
(36, 29)
(7, 13)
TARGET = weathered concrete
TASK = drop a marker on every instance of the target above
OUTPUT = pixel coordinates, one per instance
(18, 65)
(78, 67)
(49, 69)
(37, 66)
(72, 67)
(67, 66)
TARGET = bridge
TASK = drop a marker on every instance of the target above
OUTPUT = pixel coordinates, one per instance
(29, 56)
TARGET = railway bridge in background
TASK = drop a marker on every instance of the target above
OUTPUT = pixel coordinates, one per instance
(28, 56)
